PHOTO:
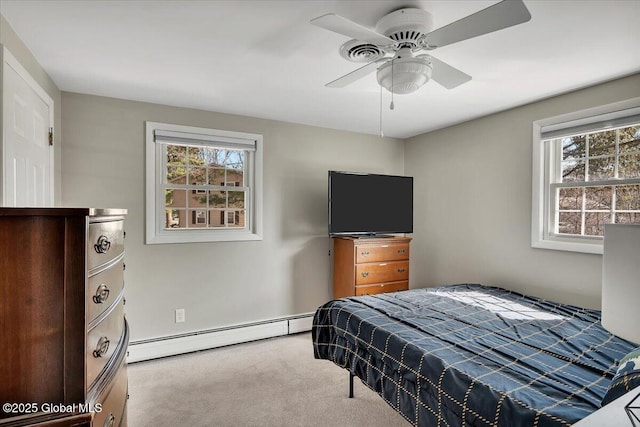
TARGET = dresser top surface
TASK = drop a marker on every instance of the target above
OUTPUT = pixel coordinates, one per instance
(375, 240)
(61, 211)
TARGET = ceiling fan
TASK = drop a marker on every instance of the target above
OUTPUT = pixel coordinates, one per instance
(395, 49)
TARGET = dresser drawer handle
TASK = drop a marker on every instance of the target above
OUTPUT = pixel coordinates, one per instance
(364, 273)
(401, 270)
(364, 254)
(102, 294)
(103, 245)
(101, 348)
(400, 251)
(110, 421)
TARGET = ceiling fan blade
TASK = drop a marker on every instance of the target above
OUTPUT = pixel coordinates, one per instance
(347, 79)
(340, 25)
(501, 15)
(446, 75)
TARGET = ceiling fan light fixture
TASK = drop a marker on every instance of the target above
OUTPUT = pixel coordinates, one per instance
(405, 75)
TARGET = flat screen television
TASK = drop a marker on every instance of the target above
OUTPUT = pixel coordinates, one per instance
(369, 204)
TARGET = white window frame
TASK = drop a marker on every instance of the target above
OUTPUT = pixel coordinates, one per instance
(543, 203)
(155, 197)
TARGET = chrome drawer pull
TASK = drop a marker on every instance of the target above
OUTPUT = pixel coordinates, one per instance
(102, 293)
(401, 270)
(364, 273)
(103, 245)
(364, 254)
(101, 348)
(110, 421)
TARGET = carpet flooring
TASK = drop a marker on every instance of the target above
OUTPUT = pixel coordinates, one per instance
(274, 382)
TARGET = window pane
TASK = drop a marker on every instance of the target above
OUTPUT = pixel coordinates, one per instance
(216, 157)
(629, 166)
(235, 218)
(573, 171)
(216, 176)
(197, 176)
(176, 198)
(629, 139)
(569, 222)
(210, 156)
(216, 218)
(197, 156)
(594, 223)
(236, 199)
(628, 218)
(217, 199)
(235, 177)
(600, 169)
(175, 218)
(197, 218)
(235, 160)
(628, 197)
(598, 198)
(574, 147)
(176, 175)
(570, 198)
(602, 143)
(176, 155)
(197, 198)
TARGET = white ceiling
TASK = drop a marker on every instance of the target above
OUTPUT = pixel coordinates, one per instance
(264, 59)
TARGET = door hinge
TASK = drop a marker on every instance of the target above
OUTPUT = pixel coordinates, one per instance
(50, 136)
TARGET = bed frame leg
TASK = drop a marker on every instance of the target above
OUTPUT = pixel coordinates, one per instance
(351, 385)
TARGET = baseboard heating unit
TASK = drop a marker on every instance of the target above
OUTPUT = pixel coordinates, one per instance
(207, 339)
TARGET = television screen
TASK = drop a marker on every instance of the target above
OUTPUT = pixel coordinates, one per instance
(369, 203)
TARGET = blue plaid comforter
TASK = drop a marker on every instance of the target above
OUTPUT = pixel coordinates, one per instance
(472, 355)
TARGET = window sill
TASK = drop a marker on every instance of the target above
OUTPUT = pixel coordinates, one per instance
(202, 236)
(570, 246)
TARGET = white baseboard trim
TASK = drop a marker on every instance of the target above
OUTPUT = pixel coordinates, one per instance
(205, 340)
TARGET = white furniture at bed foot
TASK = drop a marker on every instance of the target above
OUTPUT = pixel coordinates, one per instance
(613, 414)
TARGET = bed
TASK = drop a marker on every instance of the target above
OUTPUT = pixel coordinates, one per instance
(472, 355)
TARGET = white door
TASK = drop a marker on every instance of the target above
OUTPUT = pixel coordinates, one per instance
(27, 157)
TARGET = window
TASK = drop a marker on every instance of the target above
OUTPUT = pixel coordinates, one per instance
(189, 171)
(586, 174)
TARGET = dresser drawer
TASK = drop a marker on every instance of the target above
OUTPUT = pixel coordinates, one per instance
(392, 252)
(106, 241)
(381, 288)
(104, 288)
(103, 340)
(382, 272)
(113, 402)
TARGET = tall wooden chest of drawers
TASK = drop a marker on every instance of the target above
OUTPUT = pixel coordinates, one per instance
(64, 335)
(366, 266)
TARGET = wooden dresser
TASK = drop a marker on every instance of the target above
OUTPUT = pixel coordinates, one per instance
(365, 266)
(65, 337)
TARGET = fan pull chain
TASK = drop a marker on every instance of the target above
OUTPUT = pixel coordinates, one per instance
(381, 133)
(391, 106)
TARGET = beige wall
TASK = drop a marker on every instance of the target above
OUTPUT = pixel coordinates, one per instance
(222, 283)
(473, 203)
(10, 40)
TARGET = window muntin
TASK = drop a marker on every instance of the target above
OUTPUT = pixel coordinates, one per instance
(595, 181)
(196, 181)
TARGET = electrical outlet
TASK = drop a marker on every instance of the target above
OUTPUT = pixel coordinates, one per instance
(179, 315)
